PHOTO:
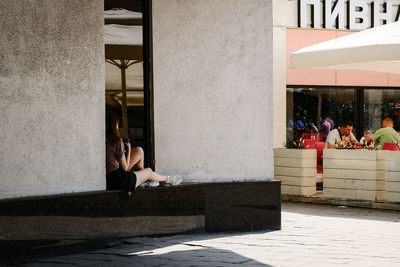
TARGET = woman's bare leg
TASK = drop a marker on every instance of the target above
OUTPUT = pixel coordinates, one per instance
(148, 175)
(137, 158)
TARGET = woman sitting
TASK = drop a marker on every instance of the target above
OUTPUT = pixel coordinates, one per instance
(119, 162)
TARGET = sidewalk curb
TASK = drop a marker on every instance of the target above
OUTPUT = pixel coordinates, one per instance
(316, 199)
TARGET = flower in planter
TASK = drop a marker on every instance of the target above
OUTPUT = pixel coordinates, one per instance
(358, 146)
(351, 145)
(369, 147)
(295, 144)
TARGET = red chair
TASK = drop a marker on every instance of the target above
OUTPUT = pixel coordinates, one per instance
(390, 146)
(320, 151)
(309, 143)
(319, 137)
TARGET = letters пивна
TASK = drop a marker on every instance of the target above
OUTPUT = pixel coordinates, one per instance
(339, 14)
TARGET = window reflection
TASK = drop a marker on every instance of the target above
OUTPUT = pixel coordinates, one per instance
(379, 104)
(313, 112)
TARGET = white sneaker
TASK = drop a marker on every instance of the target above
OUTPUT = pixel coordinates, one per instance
(149, 184)
(154, 184)
(174, 179)
(144, 184)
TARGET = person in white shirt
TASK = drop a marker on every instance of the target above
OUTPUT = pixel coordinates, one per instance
(342, 135)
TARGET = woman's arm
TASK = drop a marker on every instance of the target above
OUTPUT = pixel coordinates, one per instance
(367, 140)
(330, 146)
(353, 138)
(126, 158)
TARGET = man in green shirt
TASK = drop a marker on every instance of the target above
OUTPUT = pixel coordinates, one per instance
(386, 134)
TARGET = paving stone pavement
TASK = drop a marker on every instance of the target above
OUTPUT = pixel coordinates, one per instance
(311, 235)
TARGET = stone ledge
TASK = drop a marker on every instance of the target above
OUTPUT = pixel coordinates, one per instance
(160, 201)
(234, 206)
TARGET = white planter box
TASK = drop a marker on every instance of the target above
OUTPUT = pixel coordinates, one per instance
(392, 159)
(297, 169)
(354, 174)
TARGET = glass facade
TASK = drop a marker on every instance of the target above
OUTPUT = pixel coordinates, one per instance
(309, 109)
(379, 104)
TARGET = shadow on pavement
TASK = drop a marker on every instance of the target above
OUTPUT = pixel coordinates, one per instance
(177, 250)
(195, 257)
(16, 252)
(174, 256)
(341, 211)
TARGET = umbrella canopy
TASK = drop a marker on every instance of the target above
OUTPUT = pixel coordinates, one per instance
(375, 49)
(122, 16)
(123, 49)
(134, 83)
(134, 77)
(123, 42)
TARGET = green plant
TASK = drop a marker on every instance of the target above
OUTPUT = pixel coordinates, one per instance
(294, 144)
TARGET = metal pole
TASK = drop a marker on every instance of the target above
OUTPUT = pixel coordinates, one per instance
(359, 110)
(124, 109)
(148, 148)
(319, 110)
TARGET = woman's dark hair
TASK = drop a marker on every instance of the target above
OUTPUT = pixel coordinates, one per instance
(112, 134)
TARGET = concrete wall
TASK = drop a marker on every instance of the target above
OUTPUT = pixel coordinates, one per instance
(51, 97)
(280, 23)
(213, 89)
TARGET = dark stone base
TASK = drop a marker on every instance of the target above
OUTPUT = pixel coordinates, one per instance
(242, 206)
(212, 207)
(32, 228)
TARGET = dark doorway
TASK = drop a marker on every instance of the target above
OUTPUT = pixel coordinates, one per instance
(139, 114)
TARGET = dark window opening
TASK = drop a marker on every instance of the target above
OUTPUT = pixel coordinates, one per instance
(365, 107)
(130, 64)
(307, 108)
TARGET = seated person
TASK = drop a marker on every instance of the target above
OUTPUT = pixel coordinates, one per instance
(327, 125)
(342, 135)
(313, 127)
(298, 127)
(366, 135)
(386, 134)
(119, 164)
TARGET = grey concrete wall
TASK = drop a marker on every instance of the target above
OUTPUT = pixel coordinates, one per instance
(284, 13)
(213, 89)
(51, 97)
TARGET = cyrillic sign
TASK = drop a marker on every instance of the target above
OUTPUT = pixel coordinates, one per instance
(342, 14)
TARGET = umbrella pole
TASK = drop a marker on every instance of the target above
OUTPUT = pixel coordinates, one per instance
(124, 109)
(319, 110)
(123, 66)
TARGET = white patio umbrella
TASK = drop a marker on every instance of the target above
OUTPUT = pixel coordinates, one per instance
(134, 78)
(123, 48)
(134, 85)
(375, 49)
(123, 42)
(122, 16)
